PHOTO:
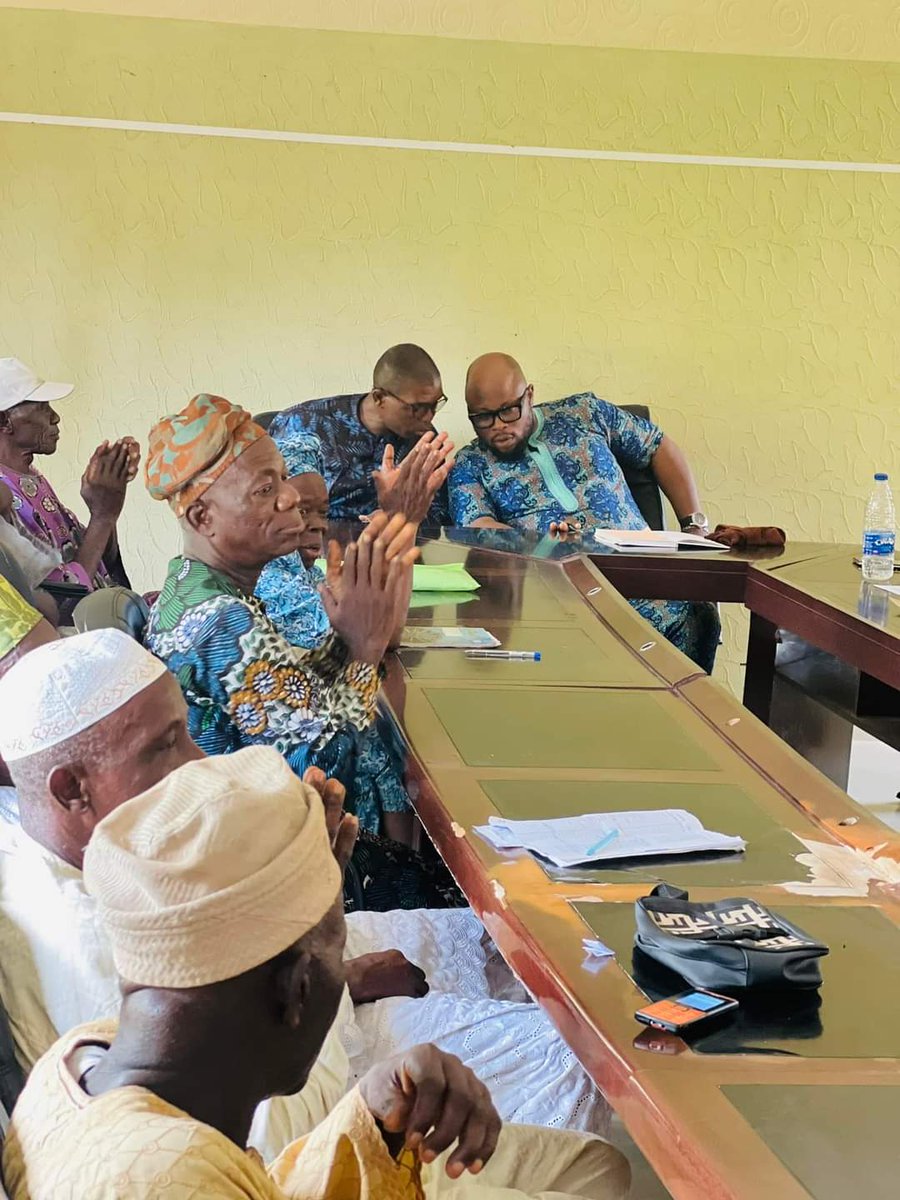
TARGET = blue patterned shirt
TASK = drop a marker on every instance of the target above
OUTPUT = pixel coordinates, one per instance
(290, 592)
(570, 467)
(351, 453)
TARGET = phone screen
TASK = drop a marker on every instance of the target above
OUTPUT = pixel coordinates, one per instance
(684, 1010)
(701, 1001)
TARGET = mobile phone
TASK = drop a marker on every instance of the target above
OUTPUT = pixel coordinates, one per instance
(686, 1011)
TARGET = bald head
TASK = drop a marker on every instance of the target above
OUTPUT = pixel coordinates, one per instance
(491, 377)
(499, 402)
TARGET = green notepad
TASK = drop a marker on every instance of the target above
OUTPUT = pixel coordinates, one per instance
(445, 577)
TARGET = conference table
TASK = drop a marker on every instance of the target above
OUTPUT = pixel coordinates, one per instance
(795, 1097)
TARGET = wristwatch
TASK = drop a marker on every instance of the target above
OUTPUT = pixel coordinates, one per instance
(697, 519)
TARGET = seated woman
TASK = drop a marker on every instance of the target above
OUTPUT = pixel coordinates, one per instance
(290, 587)
(245, 684)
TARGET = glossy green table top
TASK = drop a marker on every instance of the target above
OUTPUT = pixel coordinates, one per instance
(535, 727)
(840, 1142)
(636, 727)
(582, 653)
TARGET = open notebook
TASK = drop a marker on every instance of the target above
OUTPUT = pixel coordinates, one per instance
(605, 837)
(653, 541)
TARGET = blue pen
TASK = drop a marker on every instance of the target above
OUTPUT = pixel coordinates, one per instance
(602, 844)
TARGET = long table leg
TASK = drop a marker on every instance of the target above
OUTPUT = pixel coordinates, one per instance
(760, 673)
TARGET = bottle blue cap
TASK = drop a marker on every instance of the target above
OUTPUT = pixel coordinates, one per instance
(880, 476)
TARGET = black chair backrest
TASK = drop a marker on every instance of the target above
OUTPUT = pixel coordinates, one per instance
(642, 483)
(265, 419)
(112, 608)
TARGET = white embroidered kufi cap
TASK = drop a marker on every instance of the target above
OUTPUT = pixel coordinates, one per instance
(65, 687)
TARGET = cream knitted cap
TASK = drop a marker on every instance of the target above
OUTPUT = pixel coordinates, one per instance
(216, 869)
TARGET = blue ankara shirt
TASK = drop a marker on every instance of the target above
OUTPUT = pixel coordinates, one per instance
(571, 466)
(351, 453)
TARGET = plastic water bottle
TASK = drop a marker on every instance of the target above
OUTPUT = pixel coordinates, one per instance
(879, 532)
(874, 604)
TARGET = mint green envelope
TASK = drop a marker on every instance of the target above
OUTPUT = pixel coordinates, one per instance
(444, 577)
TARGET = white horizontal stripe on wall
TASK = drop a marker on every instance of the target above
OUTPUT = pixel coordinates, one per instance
(436, 147)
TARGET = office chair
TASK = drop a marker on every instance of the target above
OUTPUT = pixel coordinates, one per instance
(642, 482)
(265, 419)
(112, 608)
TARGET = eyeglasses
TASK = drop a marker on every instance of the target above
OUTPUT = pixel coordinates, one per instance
(508, 414)
(420, 409)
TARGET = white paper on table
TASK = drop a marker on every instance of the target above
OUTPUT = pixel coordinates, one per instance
(597, 949)
(889, 587)
(568, 841)
(653, 541)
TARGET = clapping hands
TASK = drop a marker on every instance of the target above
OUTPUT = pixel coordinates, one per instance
(411, 487)
(111, 468)
(363, 594)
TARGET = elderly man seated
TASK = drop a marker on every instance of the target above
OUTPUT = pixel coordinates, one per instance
(557, 468)
(291, 587)
(191, 1098)
(367, 437)
(245, 683)
(224, 479)
(29, 426)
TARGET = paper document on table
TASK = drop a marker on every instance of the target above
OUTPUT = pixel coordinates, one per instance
(889, 587)
(653, 541)
(605, 837)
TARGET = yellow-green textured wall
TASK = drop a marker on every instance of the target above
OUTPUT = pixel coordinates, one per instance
(754, 309)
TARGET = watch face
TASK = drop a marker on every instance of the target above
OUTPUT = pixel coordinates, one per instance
(697, 518)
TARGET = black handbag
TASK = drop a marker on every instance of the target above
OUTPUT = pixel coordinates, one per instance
(726, 944)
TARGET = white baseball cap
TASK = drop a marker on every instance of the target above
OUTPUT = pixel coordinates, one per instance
(19, 383)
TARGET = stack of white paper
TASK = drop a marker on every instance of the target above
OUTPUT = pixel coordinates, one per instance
(653, 541)
(604, 837)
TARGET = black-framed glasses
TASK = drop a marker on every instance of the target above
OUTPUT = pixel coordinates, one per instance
(419, 409)
(508, 414)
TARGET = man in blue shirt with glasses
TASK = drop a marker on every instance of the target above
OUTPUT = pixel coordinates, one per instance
(367, 437)
(558, 467)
